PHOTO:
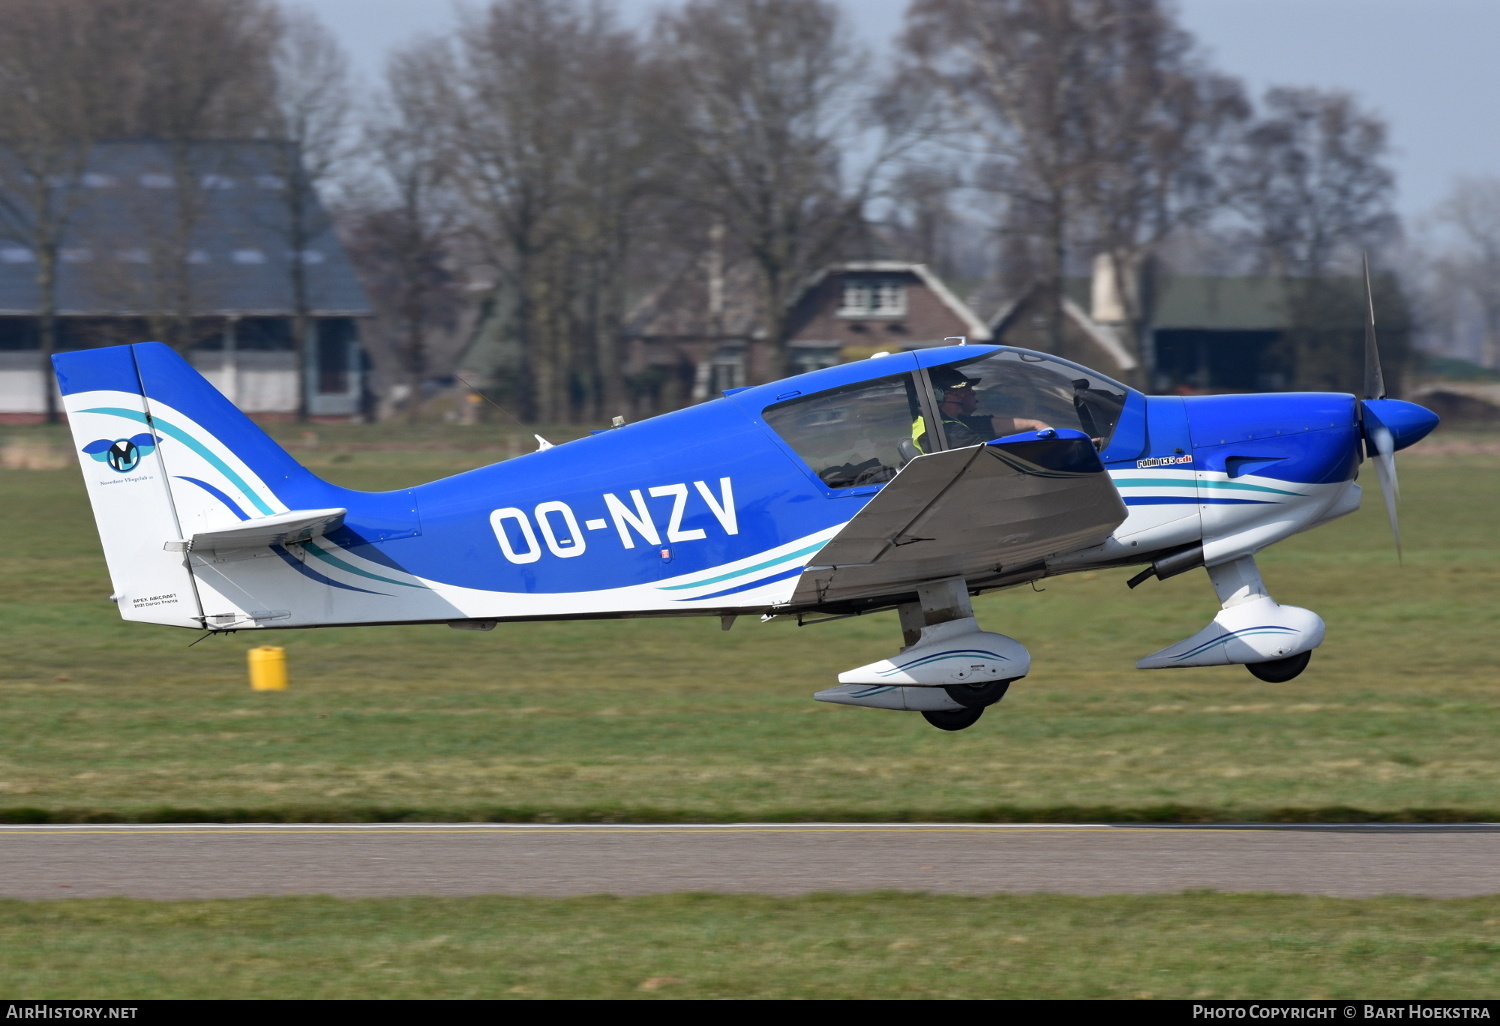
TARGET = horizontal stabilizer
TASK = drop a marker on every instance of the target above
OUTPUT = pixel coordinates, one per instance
(299, 525)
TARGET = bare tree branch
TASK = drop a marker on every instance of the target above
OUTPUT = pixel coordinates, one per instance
(769, 103)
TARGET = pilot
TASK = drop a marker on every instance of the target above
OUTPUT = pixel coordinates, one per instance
(957, 401)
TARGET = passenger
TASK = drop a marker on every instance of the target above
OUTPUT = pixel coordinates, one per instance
(957, 401)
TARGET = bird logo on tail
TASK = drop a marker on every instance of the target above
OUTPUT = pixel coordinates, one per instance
(122, 454)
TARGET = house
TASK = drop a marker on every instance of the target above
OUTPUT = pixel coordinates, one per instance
(854, 309)
(1212, 333)
(688, 340)
(1258, 333)
(199, 236)
(1201, 334)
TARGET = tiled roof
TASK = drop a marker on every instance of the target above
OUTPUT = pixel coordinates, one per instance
(130, 205)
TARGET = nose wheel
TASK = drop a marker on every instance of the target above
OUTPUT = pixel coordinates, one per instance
(975, 699)
(1279, 671)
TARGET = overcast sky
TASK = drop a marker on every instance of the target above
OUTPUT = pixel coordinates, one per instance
(1428, 66)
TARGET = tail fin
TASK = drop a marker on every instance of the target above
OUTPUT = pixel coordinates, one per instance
(165, 457)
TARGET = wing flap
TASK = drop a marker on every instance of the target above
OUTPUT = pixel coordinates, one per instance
(971, 512)
(281, 529)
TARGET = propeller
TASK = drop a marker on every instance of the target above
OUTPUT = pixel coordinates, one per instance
(1379, 442)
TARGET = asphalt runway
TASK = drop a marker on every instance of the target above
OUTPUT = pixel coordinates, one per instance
(203, 861)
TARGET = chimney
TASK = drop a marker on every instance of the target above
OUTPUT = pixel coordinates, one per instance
(1107, 300)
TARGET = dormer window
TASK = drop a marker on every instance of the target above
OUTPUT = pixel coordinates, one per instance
(873, 297)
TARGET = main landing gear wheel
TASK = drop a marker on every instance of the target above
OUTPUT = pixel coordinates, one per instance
(957, 719)
(978, 696)
(1279, 671)
(975, 699)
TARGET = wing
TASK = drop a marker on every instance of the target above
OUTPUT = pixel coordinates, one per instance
(978, 512)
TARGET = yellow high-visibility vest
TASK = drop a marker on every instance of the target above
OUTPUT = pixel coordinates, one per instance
(919, 428)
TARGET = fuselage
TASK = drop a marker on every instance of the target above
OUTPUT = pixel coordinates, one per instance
(705, 510)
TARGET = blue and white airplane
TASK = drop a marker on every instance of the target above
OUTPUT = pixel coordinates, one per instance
(909, 481)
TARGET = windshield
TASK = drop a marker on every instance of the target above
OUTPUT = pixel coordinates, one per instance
(856, 435)
(1017, 390)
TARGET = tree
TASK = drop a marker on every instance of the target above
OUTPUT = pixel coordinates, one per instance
(1463, 275)
(1016, 78)
(769, 103)
(73, 72)
(312, 125)
(402, 222)
(181, 69)
(612, 176)
(1158, 133)
(922, 220)
(1311, 184)
(46, 126)
(1094, 121)
(1309, 178)
(181, 73)
(151, 261)
(543, 102)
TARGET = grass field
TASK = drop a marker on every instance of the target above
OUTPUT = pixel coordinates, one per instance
(673, 719)
(1195, 945)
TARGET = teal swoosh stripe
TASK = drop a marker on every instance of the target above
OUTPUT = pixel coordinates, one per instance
(329, 558)
(972, 653)
(172, 431)
(1166, 482)
(1226, 639)
(747, 570)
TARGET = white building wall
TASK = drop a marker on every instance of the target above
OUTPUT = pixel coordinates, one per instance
(263, 383)
(257, 382)
(21, 383)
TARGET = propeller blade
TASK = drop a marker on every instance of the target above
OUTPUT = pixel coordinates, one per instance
(1384, 459)
(1378, 437)
(1374, 379)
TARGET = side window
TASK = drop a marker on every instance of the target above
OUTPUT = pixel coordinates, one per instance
(1017, 390)
(856, 435)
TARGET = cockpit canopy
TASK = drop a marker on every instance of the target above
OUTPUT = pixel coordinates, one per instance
(863, 433)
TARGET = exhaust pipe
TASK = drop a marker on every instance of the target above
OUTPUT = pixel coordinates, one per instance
(1179, 562)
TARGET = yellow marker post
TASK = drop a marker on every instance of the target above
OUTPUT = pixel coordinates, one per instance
(268, 668)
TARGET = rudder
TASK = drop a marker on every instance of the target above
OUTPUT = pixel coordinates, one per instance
(129, 488)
